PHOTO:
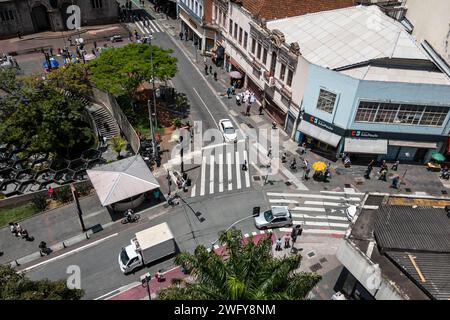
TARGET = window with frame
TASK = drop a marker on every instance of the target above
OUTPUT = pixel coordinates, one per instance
(196, 8)
(282, 72)
(258, 51)
(216, 15)
(253, 45)
(230, 28)
(224, 19)
(96, 4)
(240, 35)
(235, 31)
(406, 114)
(326, 101)
(264, 59)
(6, 15)
(200, 13)
(289, 77)
(245, 39)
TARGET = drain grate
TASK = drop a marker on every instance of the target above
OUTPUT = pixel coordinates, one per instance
(256, 178)
(408, 190)
(315, 267)
(311, 254)
(288, 183)
(323, 260)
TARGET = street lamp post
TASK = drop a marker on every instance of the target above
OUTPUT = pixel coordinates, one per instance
(153, 93)
(145, 280)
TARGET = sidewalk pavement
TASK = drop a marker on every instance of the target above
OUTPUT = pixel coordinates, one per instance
(415, 179)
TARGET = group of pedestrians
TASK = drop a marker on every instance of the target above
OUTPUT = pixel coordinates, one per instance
(248, 97)
(19, 231)
(296, 232)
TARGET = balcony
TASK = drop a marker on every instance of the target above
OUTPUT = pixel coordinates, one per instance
(269, 78)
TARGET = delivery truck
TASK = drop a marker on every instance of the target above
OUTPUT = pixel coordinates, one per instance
(148, 246)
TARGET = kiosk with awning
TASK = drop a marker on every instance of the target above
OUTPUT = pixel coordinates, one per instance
(320, 134)
(122, 184)
(366, 146)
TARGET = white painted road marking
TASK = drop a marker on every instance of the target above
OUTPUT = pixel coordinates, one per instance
(211, 175)
(220, 172)
(308, 209)
(247, 174)
(324, 217)
(238, 171)
(314, 196)
(202, 182)
(230, 183)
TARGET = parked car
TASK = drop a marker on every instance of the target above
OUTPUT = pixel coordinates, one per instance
(228, 131)
(275, 217)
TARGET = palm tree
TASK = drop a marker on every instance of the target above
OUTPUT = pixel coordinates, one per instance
(248, 271)
(117, 144)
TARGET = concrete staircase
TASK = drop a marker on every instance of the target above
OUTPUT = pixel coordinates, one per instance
(106, 124)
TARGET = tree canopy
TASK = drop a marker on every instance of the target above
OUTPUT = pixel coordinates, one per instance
(14, 286)
(121, 70)
(248, 272)
(72, 78)
(37, 117)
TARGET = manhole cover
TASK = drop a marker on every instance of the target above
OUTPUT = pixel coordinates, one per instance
(315, 267)
(288, 183)
(444, 191)
(323, 260)
(256, 178)
(311, 254)
(408, 190)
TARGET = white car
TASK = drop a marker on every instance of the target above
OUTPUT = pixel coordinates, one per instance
(228, 131)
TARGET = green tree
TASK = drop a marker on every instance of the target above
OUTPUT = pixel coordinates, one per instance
(118, 144)
(248, 272)
(72, 78)
(39, 118)
(14, 286)
(120, 71)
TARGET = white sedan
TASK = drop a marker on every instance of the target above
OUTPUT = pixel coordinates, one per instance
(228, 131)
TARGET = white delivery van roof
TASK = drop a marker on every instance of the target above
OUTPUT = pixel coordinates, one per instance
(152, 236)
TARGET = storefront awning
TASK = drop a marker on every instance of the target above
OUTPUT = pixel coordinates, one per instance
(413, 144)
(319, 134)
(369, 146)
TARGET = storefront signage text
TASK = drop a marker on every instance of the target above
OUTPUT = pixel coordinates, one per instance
(320, 123)
(364, 134)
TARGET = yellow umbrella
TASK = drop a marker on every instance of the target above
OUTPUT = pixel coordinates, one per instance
(319, 166)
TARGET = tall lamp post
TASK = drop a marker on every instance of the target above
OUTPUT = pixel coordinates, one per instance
(154, 94)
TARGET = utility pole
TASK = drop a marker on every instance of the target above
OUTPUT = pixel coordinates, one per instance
(77, 202)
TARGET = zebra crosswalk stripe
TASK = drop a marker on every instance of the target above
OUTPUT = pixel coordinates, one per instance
(238, 172)
(139, 27)
(155, 26)
(202, 182)
(230, 183)
(247, 175)
(220, 172)
(194, 187)
(211, 175)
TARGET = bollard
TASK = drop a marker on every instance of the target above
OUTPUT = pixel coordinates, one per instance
(64, 245)
(87, 236)
(17, 263)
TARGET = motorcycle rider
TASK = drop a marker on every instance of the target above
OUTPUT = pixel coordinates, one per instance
(130, 215)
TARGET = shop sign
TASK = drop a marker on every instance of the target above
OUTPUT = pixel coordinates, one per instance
(320, 123)
(193, 23)
(364, 134)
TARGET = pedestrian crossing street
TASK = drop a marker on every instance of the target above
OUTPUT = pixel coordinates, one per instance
(221, 170)
(146, 27)
(322, 213)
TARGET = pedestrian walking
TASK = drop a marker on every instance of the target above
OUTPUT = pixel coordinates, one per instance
(368, 172)
(206, 69)
(395, 182)
(238, 99)
(136, 34)
(215, 75)
(186, 36)
(278, 245)
(383, 174)
(51, 192)
(210, 69)
(247, 112)
(43, 250)
(233, 90)
(130, 36)
(19, 34)
(229, 92)
(12, 228)
(95, 44)
(269, 153)
(51, 52)
(307, 171)
(70, 41)
(244, 166)
(395, 165)
(287, 243)
(181, 35)
(261, 110)
(105, 141)
(283, 157)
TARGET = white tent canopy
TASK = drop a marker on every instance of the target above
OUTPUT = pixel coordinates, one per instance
(122, 179)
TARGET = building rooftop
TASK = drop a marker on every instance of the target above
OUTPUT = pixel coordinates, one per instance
(278, 9)
(349, 36)
(411, 246)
